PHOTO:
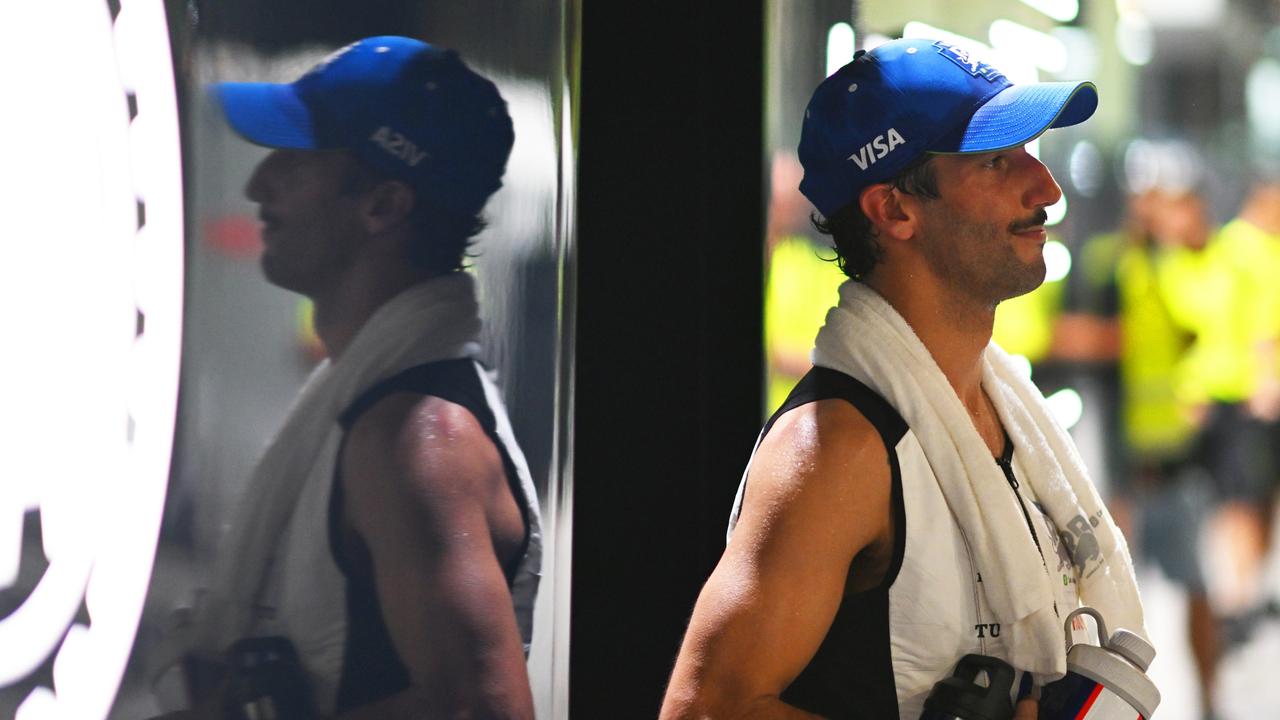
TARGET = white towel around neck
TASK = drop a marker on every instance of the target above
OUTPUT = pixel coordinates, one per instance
(434, 320)
(865, 337)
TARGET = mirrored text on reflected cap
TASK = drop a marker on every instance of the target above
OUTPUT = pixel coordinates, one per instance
(411, 110)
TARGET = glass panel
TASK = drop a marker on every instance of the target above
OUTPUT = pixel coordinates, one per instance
(89, 514)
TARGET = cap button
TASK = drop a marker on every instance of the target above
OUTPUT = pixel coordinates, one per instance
(853, 87)
(911, 51)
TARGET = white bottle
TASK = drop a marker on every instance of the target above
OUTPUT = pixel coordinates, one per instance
(1106, 682)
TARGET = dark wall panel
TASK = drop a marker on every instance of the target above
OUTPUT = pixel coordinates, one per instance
(669, 358)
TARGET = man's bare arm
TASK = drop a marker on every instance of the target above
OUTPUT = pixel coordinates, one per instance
(426, 491)
(818, 494)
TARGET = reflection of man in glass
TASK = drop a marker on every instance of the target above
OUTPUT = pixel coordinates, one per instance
(390, 532)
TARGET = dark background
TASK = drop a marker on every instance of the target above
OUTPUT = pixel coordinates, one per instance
(669, 343)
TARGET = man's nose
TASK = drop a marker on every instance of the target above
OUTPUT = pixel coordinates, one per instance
(258, 187)
(1042, 190)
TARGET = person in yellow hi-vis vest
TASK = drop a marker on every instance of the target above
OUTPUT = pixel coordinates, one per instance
(1115, 317)
(800, 288)
(1222, 288)
(801, 282)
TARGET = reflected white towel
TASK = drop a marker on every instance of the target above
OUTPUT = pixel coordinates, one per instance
(435, 320)
(865, 338)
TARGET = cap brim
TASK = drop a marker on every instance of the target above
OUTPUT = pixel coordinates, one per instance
(1021, 113)
(267, 114)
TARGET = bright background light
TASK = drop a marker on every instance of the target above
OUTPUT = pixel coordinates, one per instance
(840, 45)
(1081, 46)
(1056, 212)
(1086, 168)
(1178, 13)
(1060, 10)
(871, 41)
(916, 29)
(1262, 100)
(1044, 50)
(1134, 38)
(1057, 261)
(1067, 407)
(1169, 165)
(86, 428)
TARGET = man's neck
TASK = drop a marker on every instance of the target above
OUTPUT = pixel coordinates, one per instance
(348, 304)
(955, 331)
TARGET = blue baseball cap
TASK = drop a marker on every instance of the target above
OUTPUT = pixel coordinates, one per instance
(878, 114)
(410, 110)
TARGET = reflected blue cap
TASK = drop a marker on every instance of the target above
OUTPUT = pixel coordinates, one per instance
(876, 115)
(410, 110)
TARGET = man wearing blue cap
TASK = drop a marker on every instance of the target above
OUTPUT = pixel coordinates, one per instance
(389, 538)
(912, 501)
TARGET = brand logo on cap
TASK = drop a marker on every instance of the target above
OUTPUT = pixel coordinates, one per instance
(398, 146)
(966, 59)
(882, 145)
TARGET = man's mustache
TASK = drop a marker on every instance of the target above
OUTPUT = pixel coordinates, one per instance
(1037, 219)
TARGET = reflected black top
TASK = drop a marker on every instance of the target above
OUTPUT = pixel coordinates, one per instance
(371, 668)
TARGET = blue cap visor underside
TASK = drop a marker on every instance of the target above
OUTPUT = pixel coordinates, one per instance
(267, 114)
(1021, 113)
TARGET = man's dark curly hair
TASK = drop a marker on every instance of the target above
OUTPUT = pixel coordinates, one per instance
(854, 237)
(441, 234)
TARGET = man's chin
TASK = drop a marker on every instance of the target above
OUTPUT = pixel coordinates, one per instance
(1025, 279)
(276, 272)
(1034, 280)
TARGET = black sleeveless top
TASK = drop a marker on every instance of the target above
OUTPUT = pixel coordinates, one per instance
(851, 675)
(371, 668)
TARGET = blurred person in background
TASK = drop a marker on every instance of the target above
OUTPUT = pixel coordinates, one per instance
(1221, 288)
(1253, 239)
(1116, 322)
(800, 283)
(385, 557)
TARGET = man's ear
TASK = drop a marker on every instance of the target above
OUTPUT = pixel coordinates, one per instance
(891, 212)
(386, 206)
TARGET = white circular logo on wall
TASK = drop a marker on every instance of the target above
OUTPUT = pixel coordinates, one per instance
(91, 272)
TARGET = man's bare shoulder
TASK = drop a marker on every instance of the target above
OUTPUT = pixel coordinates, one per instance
(420, 447)
(823, 461)
(830, 420)
(817, 497)
(824, 436)
(426, 491)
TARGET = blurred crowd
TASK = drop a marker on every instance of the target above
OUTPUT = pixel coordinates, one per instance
(1180, 319)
